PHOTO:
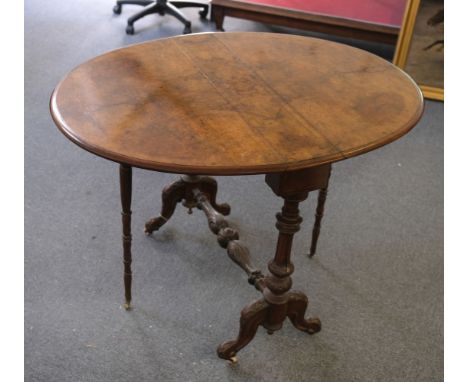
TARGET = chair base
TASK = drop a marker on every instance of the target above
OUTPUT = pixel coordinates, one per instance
(162, 7)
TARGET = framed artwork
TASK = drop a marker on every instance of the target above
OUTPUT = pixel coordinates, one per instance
(420, 46)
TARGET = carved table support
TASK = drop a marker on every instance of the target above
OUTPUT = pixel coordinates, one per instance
(126, 199)
(277, 302)
(182, 189)
(229, 238)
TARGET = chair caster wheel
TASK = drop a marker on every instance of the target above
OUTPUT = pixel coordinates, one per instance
(187, 29)
(203, 13)
(130, 29)
(117, 9)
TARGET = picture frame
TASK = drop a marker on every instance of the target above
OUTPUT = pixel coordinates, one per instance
(419, 49)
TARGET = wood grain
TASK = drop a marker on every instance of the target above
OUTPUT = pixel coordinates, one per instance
(235, 103)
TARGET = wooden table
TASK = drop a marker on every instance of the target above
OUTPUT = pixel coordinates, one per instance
(236, 104)
(370, 20)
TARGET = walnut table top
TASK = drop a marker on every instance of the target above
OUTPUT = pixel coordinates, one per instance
(235, 103)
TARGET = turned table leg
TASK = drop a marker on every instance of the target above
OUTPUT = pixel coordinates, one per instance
(126, 199)
(279, 282)
(322, 196)
(323, 178)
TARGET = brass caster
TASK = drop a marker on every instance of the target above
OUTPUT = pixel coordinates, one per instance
(270, 332)
(147, 233)
(233, 360)
(127, 306)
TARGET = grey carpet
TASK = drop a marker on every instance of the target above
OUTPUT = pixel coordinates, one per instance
(376, 282)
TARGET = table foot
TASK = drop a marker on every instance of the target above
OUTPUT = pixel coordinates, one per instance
(261, 312)
(297, 305)
(154, 224)
(251, 317)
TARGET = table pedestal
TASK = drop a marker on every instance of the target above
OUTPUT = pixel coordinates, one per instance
(277, 302)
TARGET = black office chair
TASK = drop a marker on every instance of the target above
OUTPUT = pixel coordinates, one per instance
(162, 7)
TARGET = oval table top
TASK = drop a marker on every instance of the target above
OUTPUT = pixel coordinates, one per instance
(235, 103)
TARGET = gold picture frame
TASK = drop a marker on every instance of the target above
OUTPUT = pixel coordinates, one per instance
(405, 44)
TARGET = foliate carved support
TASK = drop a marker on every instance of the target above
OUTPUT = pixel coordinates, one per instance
(228, 238)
